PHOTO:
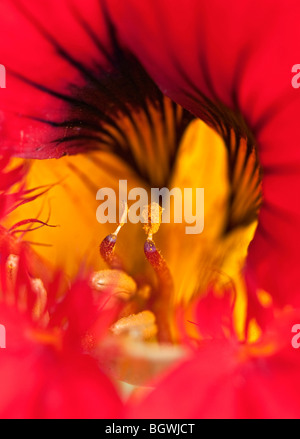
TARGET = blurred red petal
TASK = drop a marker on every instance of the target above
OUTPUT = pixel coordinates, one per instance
(44, 372)
(45, 385)
(218, 383)
(214, 314)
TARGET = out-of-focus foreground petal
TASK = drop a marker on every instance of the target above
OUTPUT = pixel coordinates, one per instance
(225, 378)
(46, 370)
(36, 382)
(230, 63)
(215, 384)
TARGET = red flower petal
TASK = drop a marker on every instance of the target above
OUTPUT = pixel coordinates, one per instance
(55, 386)
(213, 315)
(218, 383)
(48, 56)
(43, 370)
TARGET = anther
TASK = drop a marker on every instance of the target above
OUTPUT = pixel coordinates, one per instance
(12, 264)
(114, 282)
(107, 246)
(153, 214)
(140, 326)
(41, 300)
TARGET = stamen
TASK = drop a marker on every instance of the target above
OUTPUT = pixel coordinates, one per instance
(107, 249)
(41, 300)
(165, 281)
(107, 246)
(39, 309)
(12, 264)
(140, 326)
(152, 215)
(114, 282)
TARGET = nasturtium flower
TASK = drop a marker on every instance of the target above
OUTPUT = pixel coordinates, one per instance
(161, 94)
(230, 64)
